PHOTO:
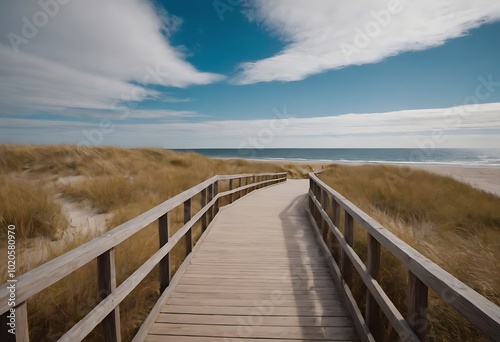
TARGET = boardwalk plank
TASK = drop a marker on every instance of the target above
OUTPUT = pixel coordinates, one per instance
(319, 333)
(259, 275)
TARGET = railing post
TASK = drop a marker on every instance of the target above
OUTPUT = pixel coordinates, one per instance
(21, 325)
(106, 274)
(315, 211)
(230, 188)
(417, 306)
(336, 222)
(216, 191)
(311, 203)
(210, 196)
(239, 185)
(349, 237)
(372, 307)
(203, 203)
(189, 233)
(324, 225)
(164, 265)
(22, 331)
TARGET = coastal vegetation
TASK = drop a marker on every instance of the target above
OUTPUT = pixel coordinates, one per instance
(451, 223)
(118, 184)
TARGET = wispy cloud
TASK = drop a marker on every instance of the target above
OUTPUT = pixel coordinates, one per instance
(463, 126)
(87, 54)
(322, 35)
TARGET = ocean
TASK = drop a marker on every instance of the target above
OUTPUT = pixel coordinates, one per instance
(445, 157)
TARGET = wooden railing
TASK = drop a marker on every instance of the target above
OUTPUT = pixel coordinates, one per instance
(423, 274)
(103, 249)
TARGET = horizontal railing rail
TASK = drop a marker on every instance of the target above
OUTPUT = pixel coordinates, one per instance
(423, 274)
(103, 247)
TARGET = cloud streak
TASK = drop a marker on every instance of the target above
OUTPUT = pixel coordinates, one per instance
(463, 126)
(322, 35)
(88, 54)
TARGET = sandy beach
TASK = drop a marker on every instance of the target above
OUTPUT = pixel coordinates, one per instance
(483, 178)
(487, 179)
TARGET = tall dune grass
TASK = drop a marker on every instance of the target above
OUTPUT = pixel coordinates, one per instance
(451, 223)
(121, 182)
(28, 207)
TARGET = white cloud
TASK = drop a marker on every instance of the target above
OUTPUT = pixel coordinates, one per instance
(463, 126)
(322, 35)
(87, 54)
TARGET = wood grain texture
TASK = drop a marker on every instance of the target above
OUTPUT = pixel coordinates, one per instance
(257, 275)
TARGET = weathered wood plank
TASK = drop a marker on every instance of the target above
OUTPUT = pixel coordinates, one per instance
(321, 333)
(277, 302)
(256, 311)
(258, 296)
(292, 321)
(177, 338)
(249, 290)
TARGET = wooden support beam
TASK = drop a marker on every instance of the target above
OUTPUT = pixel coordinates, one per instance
(203, 200)
(189, 233)
(164, 265)
(216, 191)
(106, 271)
(230, 188)
(349, 238)
(372, 307)
(336, 222)
(418, 298)
(210, 196)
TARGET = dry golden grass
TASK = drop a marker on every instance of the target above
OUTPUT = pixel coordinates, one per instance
(451, 223)
(121, 182)
(39, 215)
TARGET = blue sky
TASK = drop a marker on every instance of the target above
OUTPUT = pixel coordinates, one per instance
(254, 74)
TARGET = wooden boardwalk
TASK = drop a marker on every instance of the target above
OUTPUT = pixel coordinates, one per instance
(258, 276)
(260, 272)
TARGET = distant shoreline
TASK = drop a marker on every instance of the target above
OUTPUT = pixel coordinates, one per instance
(361, 162)
(486, 178)
(484, 158)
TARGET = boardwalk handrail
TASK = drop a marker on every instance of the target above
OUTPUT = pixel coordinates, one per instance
(102, 248)
(422, 272)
